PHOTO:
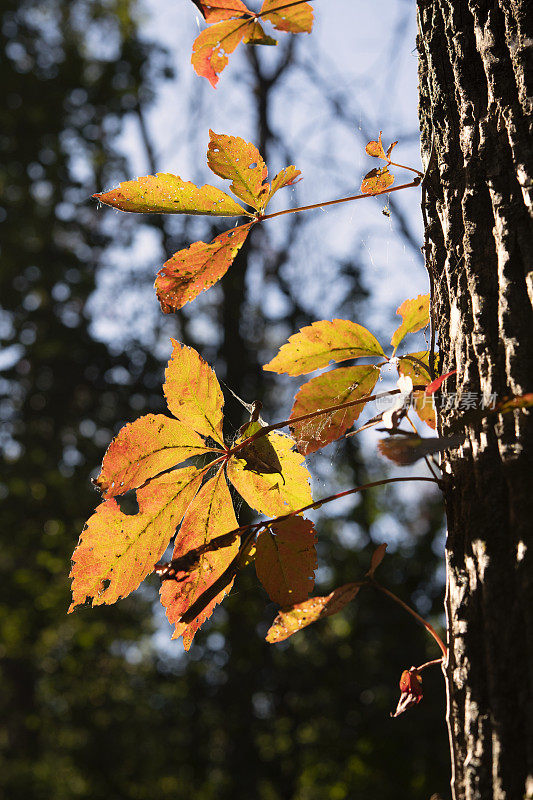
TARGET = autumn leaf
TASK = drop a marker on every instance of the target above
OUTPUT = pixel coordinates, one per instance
(271, 493)
(193, 392)
(416, 367)
(435, 385)
(415, 316)
(169, 194)
(332, 388)
(219, 10)
(210, 515)
(259, 454)
(193, 270)
(407, 448)
(232, 158)
(117, 551)
(377, 180)
(285, 560)
(145, 448)
(211, 48)
(288, 16)
(377, 557)
(314, 346)
(375, 149)
(410, 691)
(292, 620)
(256, 35)
(286, 177)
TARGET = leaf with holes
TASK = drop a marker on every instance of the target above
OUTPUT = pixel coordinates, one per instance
(145, 448)
(332, 388)
(377, 180)
(117, 551)
(212, 47)
(271, 493)
(195, 269)
(288, 176)
(232, 158)
(415, 316)
(285, 560)
(286, 16)
(193, 392)
(416, 367)
(210, 515)
(169, 194)
(314, 346)
(219, 10)
(290, 621)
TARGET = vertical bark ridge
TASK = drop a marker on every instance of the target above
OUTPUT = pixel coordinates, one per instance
(475, 108)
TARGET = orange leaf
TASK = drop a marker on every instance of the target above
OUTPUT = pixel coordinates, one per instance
(375, 149)
(218, 10)
(377, 557)
(285, 560)
(316, 345)
(210, 514)
(145, 448)
(164, 193)
(117, 551)
(193, 270)
(414, 314)
(211, 48)
(416, 367)
(292, 620)
(193, 392)
(239, 161)
(377, 180)
(337, 386)
(256, 35)
(286, 177)
(288, 16)
(269, 492)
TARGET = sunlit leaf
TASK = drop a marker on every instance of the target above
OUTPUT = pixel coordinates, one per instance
(211, 48)
(193, 270)
(405, 449)
(416, 367)
(193, 392)
(270, 493)
(316, 345)
(286, 177)
(377, 557)
(337, 386)
(145, 448)
(435, 385)
(292, 620)
(259, 454)
(415, 316)
(287, 16)
(117, 551)
(377, 180)
(411, 691)
(210, 515)
(256, 35)
(232, 158)
(169, 194)
(375, 149)
(219, 10)
(285, 560)
(390, 149)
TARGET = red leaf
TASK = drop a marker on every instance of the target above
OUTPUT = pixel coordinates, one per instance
(316, 345)
(169, 194)
(377, 557)
(432, 387)
(190, 272)
(285, 560)
(120, 549)
(145, 448)
(286, 16)
(193, 392)
(377, 180)
(292, 620)
(210, 515)
(337, 386)
(411, 691)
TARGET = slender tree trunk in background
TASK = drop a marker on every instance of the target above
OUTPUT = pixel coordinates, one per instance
(475, 106)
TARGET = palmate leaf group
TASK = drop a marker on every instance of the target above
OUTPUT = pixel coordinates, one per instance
(117, 550)
(196, 268)
(232, 23)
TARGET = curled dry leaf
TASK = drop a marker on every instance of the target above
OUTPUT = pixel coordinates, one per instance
(411, 691)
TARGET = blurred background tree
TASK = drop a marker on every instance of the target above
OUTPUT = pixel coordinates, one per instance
(99, 704)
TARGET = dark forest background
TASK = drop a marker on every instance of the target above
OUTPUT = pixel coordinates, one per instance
(92, 705)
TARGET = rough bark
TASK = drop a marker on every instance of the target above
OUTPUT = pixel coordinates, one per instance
(475, 109)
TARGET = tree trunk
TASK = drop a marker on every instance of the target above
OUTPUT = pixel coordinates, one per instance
(475, 111)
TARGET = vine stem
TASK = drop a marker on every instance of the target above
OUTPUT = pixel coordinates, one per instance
(429, 664)
(430, 629)
(263, 217)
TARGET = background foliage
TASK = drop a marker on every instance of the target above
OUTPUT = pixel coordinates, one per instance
(92, 706)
